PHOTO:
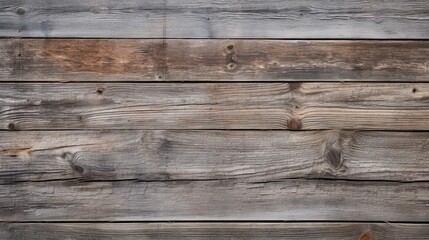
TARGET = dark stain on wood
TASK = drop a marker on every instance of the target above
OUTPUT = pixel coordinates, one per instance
(15, 152)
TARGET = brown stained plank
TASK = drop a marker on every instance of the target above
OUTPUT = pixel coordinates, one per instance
(251, 156)
(291, 199)
(399, 19)
(214, 231)
(212, 60)
(296, 106)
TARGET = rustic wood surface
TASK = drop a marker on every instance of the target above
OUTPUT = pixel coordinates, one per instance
(212, 60)
(215, 231)
(217, 200)
(394, 19)
(251, 156)
(197, 119)
(296, 106)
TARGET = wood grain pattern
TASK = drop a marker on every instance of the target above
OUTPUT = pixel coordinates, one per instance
(214, 231)
(215, 19)
(252, 156)
(212, 60)
(223, 200)
(296, 106)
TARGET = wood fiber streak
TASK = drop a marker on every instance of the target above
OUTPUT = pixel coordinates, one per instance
(215, 200)
(296, 106)
(395, 19)
(214, 231)
(212, 60)
(251, 156)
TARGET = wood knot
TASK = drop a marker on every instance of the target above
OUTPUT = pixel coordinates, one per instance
(20, 11)
(294, 124)
(366, 236)
(230, 47)
(11, 126)
(100, 90)
(70, 159)
(294, 86)
(231, 66)
(332, 153)
(333, 157)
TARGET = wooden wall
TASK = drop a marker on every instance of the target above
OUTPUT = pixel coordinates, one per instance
(197, 119)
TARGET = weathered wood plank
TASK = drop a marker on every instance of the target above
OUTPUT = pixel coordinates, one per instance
(292, 199)
(252, 156)
(215, 19)
(385, 106)
(212, 60)
(257, 231)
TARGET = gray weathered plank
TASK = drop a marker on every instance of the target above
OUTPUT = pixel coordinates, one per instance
(215, 19)
(376, 106)
(212, 60)
(252, 156)
(291, 199)
(213, 231)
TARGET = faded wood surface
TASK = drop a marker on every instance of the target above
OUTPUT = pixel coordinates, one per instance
(221, 231)
(289, 199)
(212, 60)
(215, 19)
(382, 106)
(251, 156)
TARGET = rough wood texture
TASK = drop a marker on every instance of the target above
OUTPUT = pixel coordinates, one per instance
(386, 106)
(251, 156)
(213, 231)
(215, 19)
(212, 60)
(291, 199)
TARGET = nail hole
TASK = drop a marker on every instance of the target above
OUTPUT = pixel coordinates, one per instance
(100, 90)
(159, 77)
(230, 47)
(19, 54)
(414, 90)
(231, 65)
(11, 126)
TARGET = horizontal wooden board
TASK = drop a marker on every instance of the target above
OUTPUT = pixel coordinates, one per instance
(251, 156)
(216, 19)
(376, 106)
(212, 60)
(214, 231)
(291, 199)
